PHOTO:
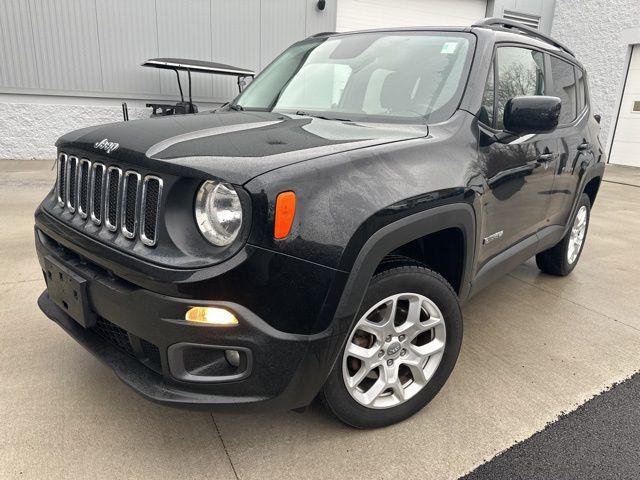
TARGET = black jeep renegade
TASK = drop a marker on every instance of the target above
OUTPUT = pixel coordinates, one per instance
(318, 234)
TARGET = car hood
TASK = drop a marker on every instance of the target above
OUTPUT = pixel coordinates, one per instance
(234, 146)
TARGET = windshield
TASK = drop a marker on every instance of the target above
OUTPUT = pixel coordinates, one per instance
(383, 74)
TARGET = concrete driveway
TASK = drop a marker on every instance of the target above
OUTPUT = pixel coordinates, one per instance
(534, 346)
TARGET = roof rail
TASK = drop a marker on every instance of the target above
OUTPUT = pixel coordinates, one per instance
(321, 34)
(502, 23)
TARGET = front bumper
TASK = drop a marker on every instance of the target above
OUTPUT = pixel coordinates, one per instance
(287, 370)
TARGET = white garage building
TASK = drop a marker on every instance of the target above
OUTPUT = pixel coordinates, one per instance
(624, 144)
(66, 64)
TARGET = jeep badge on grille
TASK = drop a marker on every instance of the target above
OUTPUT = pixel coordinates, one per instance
(106, 145)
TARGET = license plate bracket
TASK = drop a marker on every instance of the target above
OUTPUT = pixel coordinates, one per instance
(68, 290)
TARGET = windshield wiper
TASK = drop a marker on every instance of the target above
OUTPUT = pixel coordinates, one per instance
(236, 107)
(323, 117)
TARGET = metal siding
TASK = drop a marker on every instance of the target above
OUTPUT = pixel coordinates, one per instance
(364, 14)
(320, 21)
(95, 47)
(184, 30)
(17, 61)
(235, 39)
(66, 45)
(127, 35)
(281, 26)
(541, 8)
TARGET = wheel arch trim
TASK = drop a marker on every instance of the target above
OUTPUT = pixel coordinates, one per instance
(591, 172)
(394, 235)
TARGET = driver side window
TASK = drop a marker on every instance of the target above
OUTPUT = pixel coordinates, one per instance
(520, 72)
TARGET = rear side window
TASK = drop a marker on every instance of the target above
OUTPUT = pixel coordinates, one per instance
(564, 87)
(582, 90)
(520, 72)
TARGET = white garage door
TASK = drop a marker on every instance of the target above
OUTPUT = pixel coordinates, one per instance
(364, 14)
(626, 140)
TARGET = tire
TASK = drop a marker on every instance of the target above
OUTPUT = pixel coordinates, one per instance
(562, 258)
(394, 261)
(440, 323)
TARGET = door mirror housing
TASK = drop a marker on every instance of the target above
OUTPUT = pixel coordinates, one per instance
(531, 114)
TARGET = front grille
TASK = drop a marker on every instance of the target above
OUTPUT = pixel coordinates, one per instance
(62, 179)
(130, 204)
(113, 197)
(83, 187)
(97, 185)
(72, 183)
(151, 192)
(121, 200)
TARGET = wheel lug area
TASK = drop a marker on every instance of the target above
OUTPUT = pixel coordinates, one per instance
(390, 362)
(381, 353)
(401, 338)
(388, 339)
(403, 352)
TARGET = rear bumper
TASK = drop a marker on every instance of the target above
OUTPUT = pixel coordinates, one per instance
(286, 370)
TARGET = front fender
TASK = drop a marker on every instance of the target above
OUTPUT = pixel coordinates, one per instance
(396, 234)
(383, 241)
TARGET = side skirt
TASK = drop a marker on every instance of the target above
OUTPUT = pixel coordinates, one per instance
(508, 260)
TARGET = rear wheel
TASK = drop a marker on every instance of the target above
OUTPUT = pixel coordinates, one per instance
(562, 258)
(401, 350)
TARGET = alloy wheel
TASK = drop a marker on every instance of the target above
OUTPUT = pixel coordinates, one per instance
(394, 350)
(576, 238)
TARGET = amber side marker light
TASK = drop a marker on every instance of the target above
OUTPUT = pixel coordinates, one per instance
(211, 316)
(285, 211)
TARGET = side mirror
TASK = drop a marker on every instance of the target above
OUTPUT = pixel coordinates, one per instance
(531, 114)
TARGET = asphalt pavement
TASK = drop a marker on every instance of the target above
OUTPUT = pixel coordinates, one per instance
(599, 440)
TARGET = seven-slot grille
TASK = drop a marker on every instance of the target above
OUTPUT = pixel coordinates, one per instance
(120, 199)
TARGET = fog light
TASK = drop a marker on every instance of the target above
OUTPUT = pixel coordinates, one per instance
(233, 357)
(211, 315)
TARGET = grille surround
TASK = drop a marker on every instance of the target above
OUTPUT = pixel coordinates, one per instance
(98, 177)
(110, 197)
(84, 187)
(71, 183)
(145, 233)
(61, 179)
(129, 214)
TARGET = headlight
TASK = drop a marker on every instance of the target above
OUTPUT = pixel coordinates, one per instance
(218, 212)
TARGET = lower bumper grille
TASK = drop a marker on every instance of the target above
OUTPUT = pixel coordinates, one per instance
(152, 352)
(113, 334)
(120, 338)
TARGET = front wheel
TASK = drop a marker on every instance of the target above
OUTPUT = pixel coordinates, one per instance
(562, 258)
(401, 350)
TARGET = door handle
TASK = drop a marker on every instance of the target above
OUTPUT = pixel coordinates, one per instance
(545, 157)
(584, 146)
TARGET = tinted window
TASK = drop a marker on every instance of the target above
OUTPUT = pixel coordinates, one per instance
(520, 72)
(486, 111)
(398, 74)
(564, 87)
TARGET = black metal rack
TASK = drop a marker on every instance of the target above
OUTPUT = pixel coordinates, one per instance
(186, 65)
(510, 25)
